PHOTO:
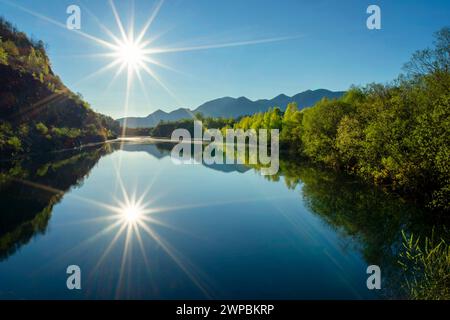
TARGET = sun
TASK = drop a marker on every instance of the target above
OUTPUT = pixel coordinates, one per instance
(132, 213)
(135, 53)
(131, 53)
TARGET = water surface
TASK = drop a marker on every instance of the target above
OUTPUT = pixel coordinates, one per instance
(221, 232)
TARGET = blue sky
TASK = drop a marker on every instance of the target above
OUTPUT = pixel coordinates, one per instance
(330, 47)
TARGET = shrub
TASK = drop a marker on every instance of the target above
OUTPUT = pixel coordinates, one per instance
(3, 55)
(14, 143)
(42, 128)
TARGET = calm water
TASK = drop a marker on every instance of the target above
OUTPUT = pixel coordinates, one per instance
(221, 232)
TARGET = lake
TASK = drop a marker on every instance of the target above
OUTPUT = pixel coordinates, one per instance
(141, 227)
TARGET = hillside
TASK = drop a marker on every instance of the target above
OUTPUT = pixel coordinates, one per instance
(37, 111)
(228, 107)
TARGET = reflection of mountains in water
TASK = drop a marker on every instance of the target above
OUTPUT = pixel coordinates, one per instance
(363, 214)
(29, 189)
(163, 149)
(354, 208)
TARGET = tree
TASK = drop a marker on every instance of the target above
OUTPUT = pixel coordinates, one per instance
(3, 54)
(275, 119)
(430, 61)
(291, 110)
(291, 126)
(10, 48)
(433, 63)
(320, 124)
(15, 144)
(42, 128)
(349, 139)
(199, 116)
(431, 140)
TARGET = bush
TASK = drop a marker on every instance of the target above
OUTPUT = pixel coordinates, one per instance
(3, 55)
(10, 48)
(320, 128)
(67, 132)
(42, 128)
(15, 144)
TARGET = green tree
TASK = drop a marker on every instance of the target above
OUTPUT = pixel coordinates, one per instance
(433, 61)
(10, 48)
(3, 54)
(291, 127)
(41, 128)
(320, 125)
(349, 139)
(275, 119)
(15, 144)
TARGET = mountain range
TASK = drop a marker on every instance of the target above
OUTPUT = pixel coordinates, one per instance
(228, 107)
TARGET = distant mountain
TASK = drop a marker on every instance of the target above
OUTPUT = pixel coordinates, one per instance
(228, 107)
(153, 119)
(162, 150)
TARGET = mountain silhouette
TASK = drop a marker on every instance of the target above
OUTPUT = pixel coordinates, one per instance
(228, 107)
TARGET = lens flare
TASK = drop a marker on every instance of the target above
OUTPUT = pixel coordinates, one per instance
(131, 54)
(132, 213)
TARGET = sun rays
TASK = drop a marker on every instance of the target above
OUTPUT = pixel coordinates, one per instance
(134, 53)
(131, 53)
(131, 217)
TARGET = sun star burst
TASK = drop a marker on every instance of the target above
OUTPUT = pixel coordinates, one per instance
(131, 53)
(136, 52)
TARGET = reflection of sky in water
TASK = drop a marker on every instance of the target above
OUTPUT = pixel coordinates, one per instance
(184, 231)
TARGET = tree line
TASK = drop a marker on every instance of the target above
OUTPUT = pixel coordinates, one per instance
(396, 135)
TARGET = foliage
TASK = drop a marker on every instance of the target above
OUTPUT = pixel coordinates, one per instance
(320, 127)
(395, 135)
(271, 119)
(3, 54)
(291, 128)
(136, 132)
(14, 143)
(37, 112)
(427, 267)
(26, 210)
(21, 53)
(165, 128)
(42, 128)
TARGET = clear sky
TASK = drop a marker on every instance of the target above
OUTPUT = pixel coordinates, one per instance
(328, 46)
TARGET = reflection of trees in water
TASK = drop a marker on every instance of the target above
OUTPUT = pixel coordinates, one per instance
(30, 187)
(162, 150)
(373, 218)
(357, 211)
(352, 207)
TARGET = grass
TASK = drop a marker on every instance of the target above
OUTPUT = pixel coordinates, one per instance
(427, 267)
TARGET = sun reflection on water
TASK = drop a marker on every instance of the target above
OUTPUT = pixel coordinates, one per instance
(131, 219)
(132, 214)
